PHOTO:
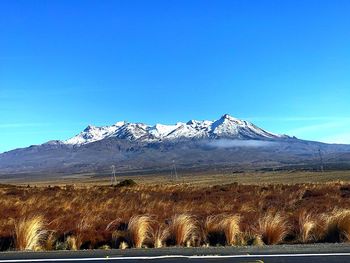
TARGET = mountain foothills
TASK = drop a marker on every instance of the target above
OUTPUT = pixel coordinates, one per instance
(226, 144)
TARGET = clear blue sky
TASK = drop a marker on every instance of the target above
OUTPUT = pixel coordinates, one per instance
(284, 65)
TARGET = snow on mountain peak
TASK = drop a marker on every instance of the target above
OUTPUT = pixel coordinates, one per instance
(91, 134)
(225, 127)
(229, 118)
(120, 123)
(89, 127)
(161, 130)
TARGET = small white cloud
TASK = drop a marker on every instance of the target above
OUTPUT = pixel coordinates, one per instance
(226, 143)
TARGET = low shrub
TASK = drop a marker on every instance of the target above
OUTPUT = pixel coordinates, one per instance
(126, 183)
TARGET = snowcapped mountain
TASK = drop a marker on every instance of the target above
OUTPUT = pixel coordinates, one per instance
(225, 127)
(220, 145)
(93, 133)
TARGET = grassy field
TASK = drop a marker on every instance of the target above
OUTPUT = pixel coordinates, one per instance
(199, 210)
(195, 179)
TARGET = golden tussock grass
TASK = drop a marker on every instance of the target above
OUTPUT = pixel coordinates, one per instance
(251, 238)
(306, 227)
(160, 233)
(272, 228)
(30, 233)
(50, 241)
(72, 243)
(338, 226)
(139, 229)
(231, 229)
(123, 245)
(212, 230)
(182, 215)
(182, 229)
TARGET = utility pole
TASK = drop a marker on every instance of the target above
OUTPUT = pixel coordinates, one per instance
(174, 174)
(113, 177)
(321, 160)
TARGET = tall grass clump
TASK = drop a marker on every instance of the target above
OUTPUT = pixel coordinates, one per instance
(212, 233)
(159, 235)
(272, 228)
(338, 226)
(182, 229)
(231, 229)
(72, 243)
(139, 229)
(305, 227)
(222, 229)
(119, 234)
(30, 233)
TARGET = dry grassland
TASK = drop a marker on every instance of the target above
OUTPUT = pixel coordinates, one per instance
(158, 215)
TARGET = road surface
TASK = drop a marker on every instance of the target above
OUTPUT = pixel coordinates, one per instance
(320, 253)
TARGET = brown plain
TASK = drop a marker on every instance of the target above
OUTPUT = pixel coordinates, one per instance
(197, 210)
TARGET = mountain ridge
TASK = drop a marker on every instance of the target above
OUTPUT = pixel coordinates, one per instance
(225, 144)
(226, 126)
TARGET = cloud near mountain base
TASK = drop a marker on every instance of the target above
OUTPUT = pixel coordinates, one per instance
(227, 143)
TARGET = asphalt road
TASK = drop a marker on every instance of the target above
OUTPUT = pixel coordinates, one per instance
(320, 253)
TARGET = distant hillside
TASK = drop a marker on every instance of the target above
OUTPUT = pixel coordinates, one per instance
(224, 144)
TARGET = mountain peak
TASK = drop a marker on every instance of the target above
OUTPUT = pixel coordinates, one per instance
(225, 127)
(226, 116)
(230, 118)
(89, 127)
(191, 122)
(120, 123)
